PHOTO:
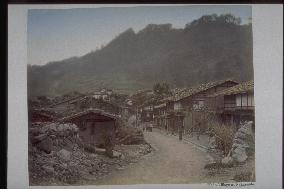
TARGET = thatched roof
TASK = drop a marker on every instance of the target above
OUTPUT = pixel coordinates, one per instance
(244, 87)
(182, 93)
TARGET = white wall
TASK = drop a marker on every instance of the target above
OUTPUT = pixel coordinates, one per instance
(177, 105)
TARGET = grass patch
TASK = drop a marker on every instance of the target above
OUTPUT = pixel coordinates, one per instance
(218, 165)
(245, 177)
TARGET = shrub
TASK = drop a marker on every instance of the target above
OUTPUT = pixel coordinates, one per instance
(224, 136)
(224, 132)
(129, 135)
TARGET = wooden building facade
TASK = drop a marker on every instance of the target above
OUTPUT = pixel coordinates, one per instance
(146, 113)
(188, 102)
(95, 126)
(234, 104)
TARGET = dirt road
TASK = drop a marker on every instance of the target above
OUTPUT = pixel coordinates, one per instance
(172, 161)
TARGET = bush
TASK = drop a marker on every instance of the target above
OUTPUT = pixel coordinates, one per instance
(224, 134)
(129, 135)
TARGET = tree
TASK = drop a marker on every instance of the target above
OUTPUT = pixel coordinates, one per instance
(160, 89)
(157, 88)
(215, 19)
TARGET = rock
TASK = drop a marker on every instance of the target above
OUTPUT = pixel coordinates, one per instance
(48, 169)
(64, 155)
(122, 157)
(239, 154)
(243, 143)
(68, 144)
(34, 131)
(39, 138)
(93, 155)
(212, 142)
(116, 154)
(100, 150)
(227, 160)
(45, 145)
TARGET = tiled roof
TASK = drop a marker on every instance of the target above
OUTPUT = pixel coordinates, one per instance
(179, 94)
(237, 89)
(91, 110)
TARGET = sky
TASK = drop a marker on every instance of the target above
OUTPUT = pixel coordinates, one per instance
(57, 34)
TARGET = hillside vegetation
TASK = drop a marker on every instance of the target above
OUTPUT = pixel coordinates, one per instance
(209, 48)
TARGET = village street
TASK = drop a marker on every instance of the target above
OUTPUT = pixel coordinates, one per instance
(172, 161)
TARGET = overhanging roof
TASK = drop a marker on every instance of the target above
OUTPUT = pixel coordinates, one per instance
(244, 87)
(187, 92)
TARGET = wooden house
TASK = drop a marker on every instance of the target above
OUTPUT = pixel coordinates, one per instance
(194, 98)
(90, 102)
(191, 101)
(234, 104)
(103, 94)
(147, 113)
(95, 126)
(85, 102)
(175, 122)
(159, 115)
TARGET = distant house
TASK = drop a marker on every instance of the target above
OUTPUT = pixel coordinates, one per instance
(234, 104)
(159, 115)
(94, 126)
(146, 113)
(103, 94)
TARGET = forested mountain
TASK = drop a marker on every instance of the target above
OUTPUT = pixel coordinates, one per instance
(207, 49)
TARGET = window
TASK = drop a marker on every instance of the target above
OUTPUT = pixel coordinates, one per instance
(177, 106)
(249, 100)
(197, 105)
(239, 100)
(244, 100)
(252, 100)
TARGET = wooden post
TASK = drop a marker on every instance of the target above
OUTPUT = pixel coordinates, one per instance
(136, 121)
(173, 126)
(180, 127)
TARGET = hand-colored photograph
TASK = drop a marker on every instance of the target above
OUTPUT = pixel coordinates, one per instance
(141, 95)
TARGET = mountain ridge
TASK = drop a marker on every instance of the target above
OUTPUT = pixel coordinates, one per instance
(204, 50)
